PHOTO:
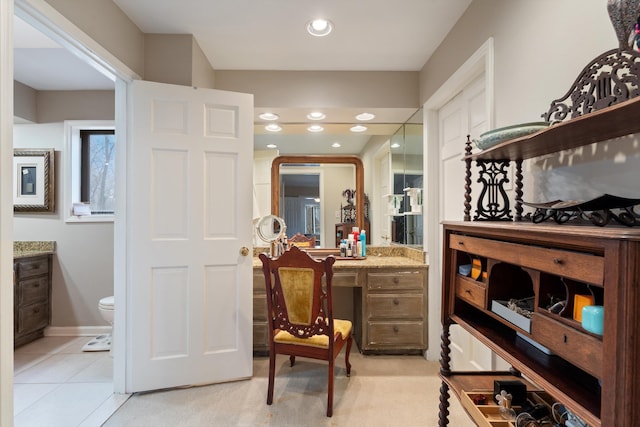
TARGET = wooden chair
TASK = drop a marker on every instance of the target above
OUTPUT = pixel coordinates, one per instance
(302, 241)
(300, 311)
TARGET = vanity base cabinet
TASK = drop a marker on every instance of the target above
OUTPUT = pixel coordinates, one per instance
(32, 298)
(389, 308)
(395, 310)
(596, 377)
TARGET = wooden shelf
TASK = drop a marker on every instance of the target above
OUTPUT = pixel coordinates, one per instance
(611, 122)
(557, 377)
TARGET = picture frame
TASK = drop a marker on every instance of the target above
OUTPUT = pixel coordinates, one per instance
(34, 180)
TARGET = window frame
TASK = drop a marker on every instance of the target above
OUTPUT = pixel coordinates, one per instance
(73, 167)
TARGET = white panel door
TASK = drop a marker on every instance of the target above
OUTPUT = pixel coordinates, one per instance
(465, 114)
(189, 214)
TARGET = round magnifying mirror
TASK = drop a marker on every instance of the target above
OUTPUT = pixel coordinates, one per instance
(270, 227)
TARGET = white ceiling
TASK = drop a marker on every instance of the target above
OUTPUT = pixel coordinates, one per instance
(371, 35)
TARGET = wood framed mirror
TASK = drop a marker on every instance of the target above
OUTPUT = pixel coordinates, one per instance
(313, 159)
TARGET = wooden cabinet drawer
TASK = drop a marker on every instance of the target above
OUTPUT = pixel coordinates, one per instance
(392, 280)
(33, 290)
(32, 317)
(400, 334)
(395, 306)
(574, 265)
(260, 335)
(30, 267)
(258, 281)
(347, 278)
(582, 349)
(260, 307)
(473, 292)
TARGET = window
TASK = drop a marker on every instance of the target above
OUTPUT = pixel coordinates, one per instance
(90, 171)
(97, 171)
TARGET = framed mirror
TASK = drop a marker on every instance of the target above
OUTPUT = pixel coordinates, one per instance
(315, 160)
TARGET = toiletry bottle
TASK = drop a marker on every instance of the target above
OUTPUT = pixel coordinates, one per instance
(350, 246)
(343, 248)
(363, 243)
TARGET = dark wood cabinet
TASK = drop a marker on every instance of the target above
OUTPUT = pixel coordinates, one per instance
(596, 377)
(32, 298)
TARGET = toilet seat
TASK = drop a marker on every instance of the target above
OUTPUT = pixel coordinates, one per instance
(106, 303)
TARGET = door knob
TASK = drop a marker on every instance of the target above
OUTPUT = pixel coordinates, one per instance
(244, 251)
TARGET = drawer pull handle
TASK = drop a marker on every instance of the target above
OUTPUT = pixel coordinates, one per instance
(396, 280)
(565, 339)
(557, 261)
(468, 291)
(396, 301)
(396, 329)
(460, 242)
(36, 310)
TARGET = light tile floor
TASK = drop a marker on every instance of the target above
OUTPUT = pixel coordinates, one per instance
(56, 384)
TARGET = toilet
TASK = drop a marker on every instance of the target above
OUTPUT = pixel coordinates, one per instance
(102, 342)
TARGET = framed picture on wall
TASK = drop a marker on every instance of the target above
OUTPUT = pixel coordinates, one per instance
(34, 180)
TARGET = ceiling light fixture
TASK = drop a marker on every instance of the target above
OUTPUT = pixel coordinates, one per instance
(316, 115)
(358, 128)
(395, 145)
(319, 27)
(272, 146)
(336, 145)
(273, 127)
(269, 116)
(315, 128)
(365, 116)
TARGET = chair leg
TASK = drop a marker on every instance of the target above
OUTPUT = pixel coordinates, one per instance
(330, 392)
(346, 356)
(272, 373)
(292, 360)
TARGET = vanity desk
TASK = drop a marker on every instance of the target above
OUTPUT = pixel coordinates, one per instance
(32, 290)
(389, 300)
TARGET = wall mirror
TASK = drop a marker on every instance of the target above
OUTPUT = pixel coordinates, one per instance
(306, 164)
(405, 209)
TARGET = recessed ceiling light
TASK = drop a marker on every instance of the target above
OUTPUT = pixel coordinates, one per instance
(272, 146)
(395, 145)
(319, 27)
(336, 145)
(358, 128)
(315, 128)
(316, 115)
(273, 127)
(365, 116)
(269, 116)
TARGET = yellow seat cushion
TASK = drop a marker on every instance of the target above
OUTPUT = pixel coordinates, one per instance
(342, 327)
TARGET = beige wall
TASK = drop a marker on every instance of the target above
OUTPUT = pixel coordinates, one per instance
(540, 47)
(57, 106)
(391, 89)
(83, 263)
(104, 22)
(24, 102)
(168, 58)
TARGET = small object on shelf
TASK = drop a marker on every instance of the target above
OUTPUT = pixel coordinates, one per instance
(496, 136)
(464, 269)
(516, 390)
(593, 318)
(476, 268)
(521, 321)
(480, 399)
(580, 301)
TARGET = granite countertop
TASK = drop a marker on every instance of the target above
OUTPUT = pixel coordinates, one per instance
(23, 249)
(377, 257)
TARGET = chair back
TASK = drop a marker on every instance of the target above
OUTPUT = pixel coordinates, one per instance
(297, 302)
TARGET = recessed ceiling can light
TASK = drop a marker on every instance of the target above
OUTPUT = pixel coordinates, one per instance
(272, 146)
(395, 145)
(273, 127)
(315, 128)
(358, 128)
(319, 27)
(336, 145)
(269, 116)
(316, 115)
(365, 116)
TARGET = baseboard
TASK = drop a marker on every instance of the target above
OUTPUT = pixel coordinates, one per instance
(76, 331)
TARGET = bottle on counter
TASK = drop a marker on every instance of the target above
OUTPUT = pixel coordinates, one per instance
(363, 243)
(343, 248)
(350, 246)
